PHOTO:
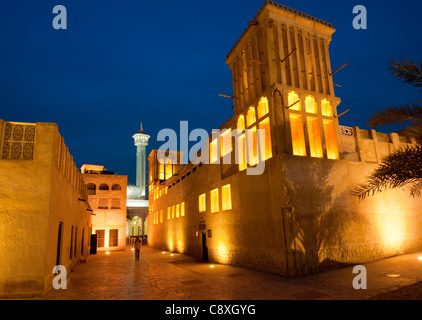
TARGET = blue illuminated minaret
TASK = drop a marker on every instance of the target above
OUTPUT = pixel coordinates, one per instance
(141, 142)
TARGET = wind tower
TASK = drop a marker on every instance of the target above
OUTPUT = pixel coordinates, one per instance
(282, 82)
(141, 142)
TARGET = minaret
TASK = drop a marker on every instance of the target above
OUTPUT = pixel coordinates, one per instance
(141, 142)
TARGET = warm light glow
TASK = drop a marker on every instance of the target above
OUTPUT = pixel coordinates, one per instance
(226, 198)
(298, 136)
(252, 146)
(292, 98)
(214, 151)
(226, 142)
(108, 252)
(177, 210)
(202, 203)
(250, 117)
(133, 249)
(169, 169)
(241, 152)
(263, 107)
(172, 255)
(311, 105)
(212, 266)
(160, 171)
(265, 150)
(222, 249)
(161, 216)
(172, 212)
(331, 140)
(315, 141)
(420, 258)
(326, 108)
(241, 123)
(182, 209)
(391, 222)
(163, 252)
(214, 201)
(168, 213)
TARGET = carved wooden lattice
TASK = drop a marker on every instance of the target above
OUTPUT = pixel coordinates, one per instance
(115, 203)
(18, 141)
(102, 203)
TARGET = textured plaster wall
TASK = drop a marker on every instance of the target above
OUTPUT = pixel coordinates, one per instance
(106, 219)
(33, 200)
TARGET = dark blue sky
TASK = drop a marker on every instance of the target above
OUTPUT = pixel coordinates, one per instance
(160, 62)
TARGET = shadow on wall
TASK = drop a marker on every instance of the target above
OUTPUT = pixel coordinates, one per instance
(316, 222)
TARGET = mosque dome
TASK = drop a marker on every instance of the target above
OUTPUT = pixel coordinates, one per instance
(134, 192)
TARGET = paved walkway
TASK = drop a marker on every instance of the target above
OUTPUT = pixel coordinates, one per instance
(159, 276)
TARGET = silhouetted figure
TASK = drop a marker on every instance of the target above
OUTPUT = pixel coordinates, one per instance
(138, 245)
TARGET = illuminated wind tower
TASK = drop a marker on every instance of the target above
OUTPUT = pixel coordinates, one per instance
(282, 62)
(141, 142)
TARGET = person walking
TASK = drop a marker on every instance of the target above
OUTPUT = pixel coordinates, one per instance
(138, 245)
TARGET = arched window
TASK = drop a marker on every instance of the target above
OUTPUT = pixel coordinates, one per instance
(116, 187)
(104, 187)
(91, 189)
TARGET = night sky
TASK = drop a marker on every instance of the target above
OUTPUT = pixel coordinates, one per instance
(161, 62)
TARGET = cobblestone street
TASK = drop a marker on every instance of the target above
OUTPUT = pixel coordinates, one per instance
(166, 276)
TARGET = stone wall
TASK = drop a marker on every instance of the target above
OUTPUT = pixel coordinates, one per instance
(36, 195)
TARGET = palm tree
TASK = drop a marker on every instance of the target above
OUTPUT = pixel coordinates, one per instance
(404, 166)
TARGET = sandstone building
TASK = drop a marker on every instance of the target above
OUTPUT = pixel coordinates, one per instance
(45, 219)
(107, 199)
(298, 216)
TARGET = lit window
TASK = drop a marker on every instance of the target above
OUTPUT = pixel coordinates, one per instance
(177, 210)
(214, 151)
(241, 153)
(160, 171)
(292, 99)
(182, 209)
(326, 108)
(311, 105)
(265, 150)
(226, 142)
(331, 139)
(202, 206)
(250, 117)
(315, 142)
(168, 213)
(241, 123)
(165, 190)
(262, 107)
(172, 212)
(161, 216)
(298, 136)
(169, 169)
(214, 201)
(226, 198)
(252, 144)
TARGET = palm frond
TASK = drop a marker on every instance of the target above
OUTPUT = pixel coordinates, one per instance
(407, 71)
(394, 115)
(413, 132)
(401, 168)
(416, 189)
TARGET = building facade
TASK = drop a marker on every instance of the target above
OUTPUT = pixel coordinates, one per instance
(298, 216)
(45, 219)
(107, 199)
